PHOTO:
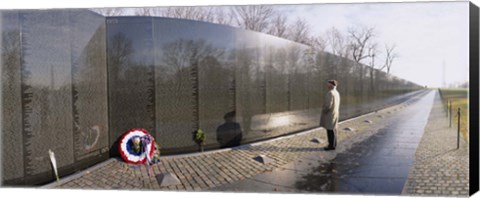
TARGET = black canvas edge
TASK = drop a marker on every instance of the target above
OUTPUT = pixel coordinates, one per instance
(473, 98)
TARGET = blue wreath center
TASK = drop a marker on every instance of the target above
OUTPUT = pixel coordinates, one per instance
(130, 147)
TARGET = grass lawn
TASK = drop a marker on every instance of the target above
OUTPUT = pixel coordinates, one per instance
(458, 98)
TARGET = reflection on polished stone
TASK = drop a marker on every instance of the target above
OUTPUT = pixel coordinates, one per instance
(75, 81)
(58, 70)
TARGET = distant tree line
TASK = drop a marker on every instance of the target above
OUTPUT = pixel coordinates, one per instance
(358, 43)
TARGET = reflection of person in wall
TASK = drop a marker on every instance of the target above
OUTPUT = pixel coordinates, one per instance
(229, 134)
(330, 114)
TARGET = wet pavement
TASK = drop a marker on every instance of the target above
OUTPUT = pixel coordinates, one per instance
(379, 164)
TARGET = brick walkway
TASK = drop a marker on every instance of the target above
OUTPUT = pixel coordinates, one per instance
(439, 168)
(201, 172)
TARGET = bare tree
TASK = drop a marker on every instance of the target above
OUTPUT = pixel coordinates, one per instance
(360, 39)
(145, 11)
(278, 26)
(221, 16)
(299, 32)
(109, 11)
(336, 42)
(360, 48)
(390, 55)
(208, 14)
(192, 13)
(256, 18)
(318, 43)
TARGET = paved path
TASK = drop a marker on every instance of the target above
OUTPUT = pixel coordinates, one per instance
(439, 168)
(220, 169)
(378, 164)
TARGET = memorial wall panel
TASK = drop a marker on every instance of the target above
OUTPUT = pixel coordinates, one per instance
(11, 123)
(131, 78)
(250, 72)
(46, 90)
(176, 89)
(74, 82)
(89, 88)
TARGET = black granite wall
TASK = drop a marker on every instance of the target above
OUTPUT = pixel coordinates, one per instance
(54, 91)
(74, 82)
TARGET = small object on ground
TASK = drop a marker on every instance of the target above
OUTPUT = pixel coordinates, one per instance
(263, 159)
(317, 140)
(167, 179)
(199, 138)
(349, 129)
(54, 164)
(323, 187)
(368, 121)
(381, 116)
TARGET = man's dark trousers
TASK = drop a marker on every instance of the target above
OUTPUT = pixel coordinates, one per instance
(332, 140)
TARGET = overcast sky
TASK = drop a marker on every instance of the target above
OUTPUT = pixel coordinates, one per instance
(427, 34)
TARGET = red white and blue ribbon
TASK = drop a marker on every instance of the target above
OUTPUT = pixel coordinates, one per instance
(126, 147)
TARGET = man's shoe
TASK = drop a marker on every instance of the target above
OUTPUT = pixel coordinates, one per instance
(328, 148)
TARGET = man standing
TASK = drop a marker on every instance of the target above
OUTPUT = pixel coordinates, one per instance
(330, 114)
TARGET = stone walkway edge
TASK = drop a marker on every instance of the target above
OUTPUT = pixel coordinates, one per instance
(439, 169)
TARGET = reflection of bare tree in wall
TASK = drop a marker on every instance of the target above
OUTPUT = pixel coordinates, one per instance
(312, 86)
(216, 93)
(179, 68)
(183, 54)
(294, 78)
(131, 87)
(277, 82)
(119, 50)
(372, 52)
(250, 85)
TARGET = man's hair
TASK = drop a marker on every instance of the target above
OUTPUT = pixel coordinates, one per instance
(333, 82)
